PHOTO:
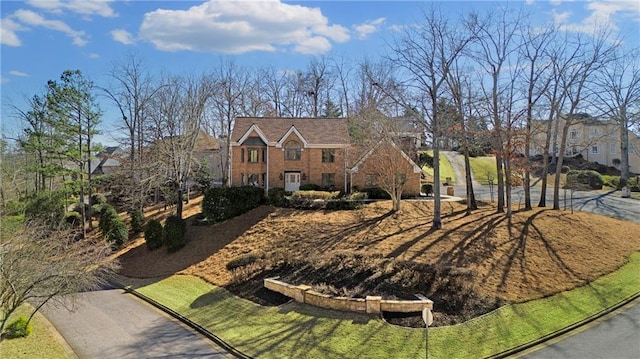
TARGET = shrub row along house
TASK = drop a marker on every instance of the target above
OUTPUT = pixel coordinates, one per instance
(288, 153)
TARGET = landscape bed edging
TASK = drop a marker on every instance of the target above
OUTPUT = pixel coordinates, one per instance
(371, 304)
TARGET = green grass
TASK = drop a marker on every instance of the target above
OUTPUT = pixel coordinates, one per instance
(299, 331)
(482, 168)
(9, 224)
(446, 170)
(40, 344)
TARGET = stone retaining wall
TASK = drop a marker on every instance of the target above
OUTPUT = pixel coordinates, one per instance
(371, 304)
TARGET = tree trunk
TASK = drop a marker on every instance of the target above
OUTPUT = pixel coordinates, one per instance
(437, 217)
(179, 204)
(624, 151)
(561, 150)
(545, 163)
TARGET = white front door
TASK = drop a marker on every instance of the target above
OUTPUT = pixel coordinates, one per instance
(291, 181)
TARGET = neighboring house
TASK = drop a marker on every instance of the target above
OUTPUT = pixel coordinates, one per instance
(275, 152)
(213, 151)
(596, 140)
(107, 162)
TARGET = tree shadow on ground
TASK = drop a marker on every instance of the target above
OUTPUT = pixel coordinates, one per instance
(202, 242)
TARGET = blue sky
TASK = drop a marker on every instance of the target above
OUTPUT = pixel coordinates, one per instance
(40, 39)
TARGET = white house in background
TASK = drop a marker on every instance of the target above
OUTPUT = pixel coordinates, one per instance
(596, 140)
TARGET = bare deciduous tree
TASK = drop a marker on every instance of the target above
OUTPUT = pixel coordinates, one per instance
(132, 92)
(618, 97)
(427, 52)
(178, 112)
(41, 266)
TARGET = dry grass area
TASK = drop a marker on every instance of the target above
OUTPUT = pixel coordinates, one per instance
(531, 255)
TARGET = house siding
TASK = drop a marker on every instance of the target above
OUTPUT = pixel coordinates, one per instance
(313, 135)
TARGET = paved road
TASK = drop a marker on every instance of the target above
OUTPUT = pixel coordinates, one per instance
(113, 324)
(616, 336)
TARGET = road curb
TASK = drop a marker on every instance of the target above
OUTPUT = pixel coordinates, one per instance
(195, 326)
(565, 330)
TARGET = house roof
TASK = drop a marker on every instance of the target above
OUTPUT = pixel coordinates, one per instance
(205, 142)
(313, 130)
(362, 152)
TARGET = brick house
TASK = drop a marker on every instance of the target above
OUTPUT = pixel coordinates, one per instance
(274, 152)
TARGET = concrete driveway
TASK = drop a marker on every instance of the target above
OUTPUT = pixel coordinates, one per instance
(113, 324)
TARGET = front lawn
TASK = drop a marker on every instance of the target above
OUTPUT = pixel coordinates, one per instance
(484, 169)
(446, 170)
(41, 343)
(299, 331)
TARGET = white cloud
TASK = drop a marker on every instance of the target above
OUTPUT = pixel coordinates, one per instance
(3, 80)
(606, 13)
(8, 29)
(313, 45)
(236, 27)
(31, 18)
(83, 7)
(122, 36)
(18, 73)
(560, 17)
(368, 28)
(93, 55)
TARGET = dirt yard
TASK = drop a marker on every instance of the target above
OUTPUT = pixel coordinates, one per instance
(470, 266)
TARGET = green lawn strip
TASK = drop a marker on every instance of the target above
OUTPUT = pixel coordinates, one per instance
(446, 170)
(482, 168)
(41, 343)
(301, 331)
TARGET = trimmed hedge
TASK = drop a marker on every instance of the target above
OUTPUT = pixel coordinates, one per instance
(376, 193)
(310, 187)
(427, 189)
(153, 234)
(175, 229)
(226, 202)
(584, 180)
(278, 197)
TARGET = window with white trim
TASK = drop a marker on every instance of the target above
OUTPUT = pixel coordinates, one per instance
(613, 148)
(594, 149)
(573, 135)
(292, 151)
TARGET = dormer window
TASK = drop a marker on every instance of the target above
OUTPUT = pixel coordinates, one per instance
(292, 151)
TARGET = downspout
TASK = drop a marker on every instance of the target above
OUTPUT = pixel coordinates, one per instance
(230, 157)
(266, 185)
(346, 154)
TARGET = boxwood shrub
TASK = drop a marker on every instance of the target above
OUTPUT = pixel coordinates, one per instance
(376, 193)
(278, 197)
(175, 229)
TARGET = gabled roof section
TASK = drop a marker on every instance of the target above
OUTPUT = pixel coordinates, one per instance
(295, 131)
(365, 153)
(248, 132)
(315, 131)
